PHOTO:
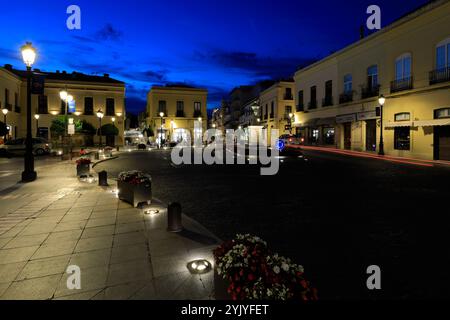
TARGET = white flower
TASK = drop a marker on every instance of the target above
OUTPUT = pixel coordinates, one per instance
(276, 269)
(285, 266)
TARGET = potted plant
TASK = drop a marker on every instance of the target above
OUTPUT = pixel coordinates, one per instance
(246, 269)
(83, 166)
(135, 187)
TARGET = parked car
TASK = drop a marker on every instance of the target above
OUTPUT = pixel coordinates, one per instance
(291, 139)
(18, 146)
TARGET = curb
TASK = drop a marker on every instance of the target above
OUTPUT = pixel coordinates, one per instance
(104, 160)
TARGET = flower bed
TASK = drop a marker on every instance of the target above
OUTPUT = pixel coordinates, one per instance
(134, 187)
(253, 272)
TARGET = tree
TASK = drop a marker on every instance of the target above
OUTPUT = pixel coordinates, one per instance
(58, 127)
(84, 127)
(109, 130)
(3, 129)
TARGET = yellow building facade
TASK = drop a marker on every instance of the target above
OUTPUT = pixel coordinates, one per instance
(173, 112)
(90, 94)
(408, 62)
(276, 104)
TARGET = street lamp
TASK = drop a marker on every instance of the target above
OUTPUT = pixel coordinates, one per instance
(5, 112)
(381, 101)
(29, 57)
(161, 115)
(36, 116)
(100, 115)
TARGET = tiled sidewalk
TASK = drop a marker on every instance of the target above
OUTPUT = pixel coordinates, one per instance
(122, 252)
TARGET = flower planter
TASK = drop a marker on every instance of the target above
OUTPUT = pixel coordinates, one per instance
(220, 287)
(83, 169)
(135, 193)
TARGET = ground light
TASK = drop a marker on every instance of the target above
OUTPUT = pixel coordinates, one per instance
(199, 266)
(151, 212)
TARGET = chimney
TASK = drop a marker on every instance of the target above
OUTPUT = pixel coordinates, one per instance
(361, 32)
(8, 67)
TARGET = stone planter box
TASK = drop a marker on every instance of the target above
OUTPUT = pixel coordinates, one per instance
(220, 287)
(83, 169)
(134, 194)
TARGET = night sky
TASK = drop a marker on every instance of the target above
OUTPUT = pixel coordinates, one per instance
(216, 44)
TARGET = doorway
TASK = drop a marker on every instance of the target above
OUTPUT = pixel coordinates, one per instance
(442, 143)
(348, 136)
(371, 135)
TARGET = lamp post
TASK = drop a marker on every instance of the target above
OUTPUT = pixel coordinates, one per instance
(29, 57)
(381, 101)
(67, 98)
(36, 116)
(5, 112)
(161, 115)
(100, 115)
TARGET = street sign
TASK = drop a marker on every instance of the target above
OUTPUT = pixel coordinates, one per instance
(71, 129)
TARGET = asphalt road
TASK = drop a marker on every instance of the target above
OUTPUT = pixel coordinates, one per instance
(336, 215)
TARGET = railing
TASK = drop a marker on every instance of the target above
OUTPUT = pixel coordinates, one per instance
(370, 92)
(346, 97)
(300, 107)
(327, 101)
(288, 97)
(197, 113)
(180, 114)
(440, 75)
(401, 84)
(312, 104)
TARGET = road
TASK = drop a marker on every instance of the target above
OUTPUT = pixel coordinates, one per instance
(334, 214)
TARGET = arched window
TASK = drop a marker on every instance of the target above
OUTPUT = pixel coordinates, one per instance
(443, 54)
(403, 67)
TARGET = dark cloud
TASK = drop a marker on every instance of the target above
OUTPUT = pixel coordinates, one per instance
(250, 62)
(108, 32)
(8, 54)
(150, 76)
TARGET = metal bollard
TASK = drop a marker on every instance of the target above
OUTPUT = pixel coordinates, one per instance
(97, 156)
(103, 178)
(174, 218)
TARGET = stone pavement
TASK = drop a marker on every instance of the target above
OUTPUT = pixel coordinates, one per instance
(123, 253)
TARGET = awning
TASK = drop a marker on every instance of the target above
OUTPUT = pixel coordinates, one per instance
(326, 121)
(431, 123)
(391, 124)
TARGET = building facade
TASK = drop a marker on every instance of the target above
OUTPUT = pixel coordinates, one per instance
(408, 62)
(173, 112)
(276, 104)
(90, 94)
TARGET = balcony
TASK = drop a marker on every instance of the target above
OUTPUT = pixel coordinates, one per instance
(402, 84)
(370, 92)
(197, 113)
(440, 75)
(346, 97)
(327, 101)
(288, 97)
(300, 107)
(180, 114)
(312, 104)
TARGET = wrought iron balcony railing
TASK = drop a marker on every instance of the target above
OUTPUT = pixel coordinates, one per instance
(440, 75)
(327, 101)
(346, 97)
(370, 92)
(312, 104)
(402, 84)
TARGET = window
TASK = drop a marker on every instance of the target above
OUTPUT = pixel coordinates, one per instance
(197, 109)
(442, 113)
(180, 109)
(402, 138)
(272, 109)
(162, 107)
(328, 100)
(301, 102)
(443, 54)
(43, 104)
(403, 67)
(313, 101)
(88, 106)
(267, 112)
(372, 76)
(348, 84)
(16, 99)
(404, 116)
(7, 105)
(288, 94)
(110, 107)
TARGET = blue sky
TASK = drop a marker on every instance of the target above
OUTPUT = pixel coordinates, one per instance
(216, 44)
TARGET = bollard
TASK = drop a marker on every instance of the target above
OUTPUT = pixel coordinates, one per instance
(97, 156)
(174, 218)
(103, 178)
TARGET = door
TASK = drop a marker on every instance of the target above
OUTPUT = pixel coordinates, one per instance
(348, 135)
(442, 143)
(371, 135)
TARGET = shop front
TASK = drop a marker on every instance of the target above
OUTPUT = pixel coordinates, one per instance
(346, 121)
(370, 120)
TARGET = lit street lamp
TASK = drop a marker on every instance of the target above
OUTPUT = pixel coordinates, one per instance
(381, 101)
(5, 112)
(36, 116)
(100, 115)
(161, 115)
(29, 57)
